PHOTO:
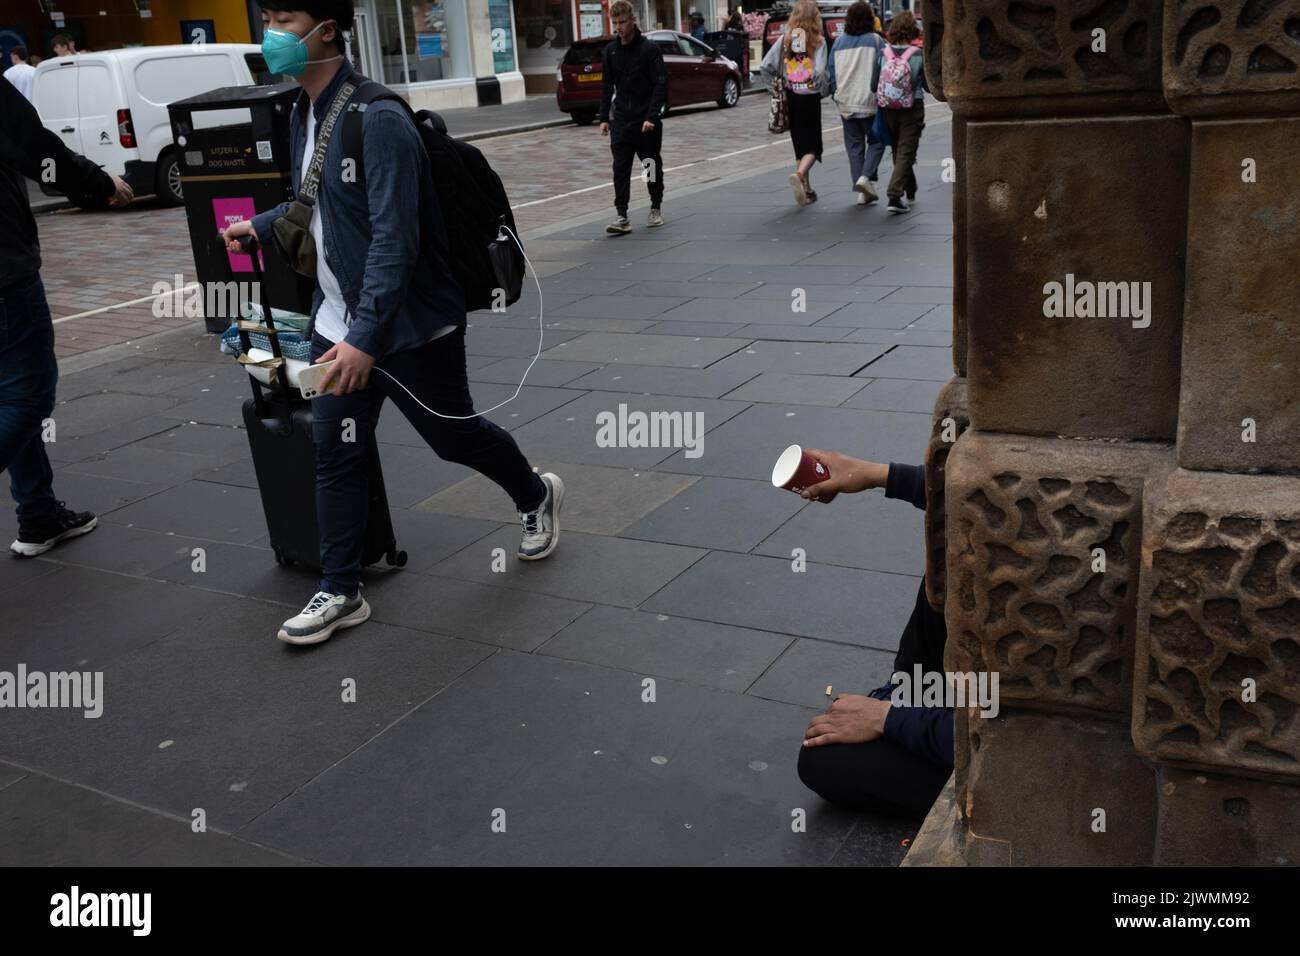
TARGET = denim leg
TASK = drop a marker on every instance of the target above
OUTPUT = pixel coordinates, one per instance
(875, 152)
(29, 373)
(854, 144)
(343, 428)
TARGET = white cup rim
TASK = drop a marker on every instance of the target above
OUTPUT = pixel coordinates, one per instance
(786, 465)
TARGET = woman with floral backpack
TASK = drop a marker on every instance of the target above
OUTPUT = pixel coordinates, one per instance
(900, 98)
(798, 63)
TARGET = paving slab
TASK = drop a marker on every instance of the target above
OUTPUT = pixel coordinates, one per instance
(72, 448)
(697, 652)
(122, 550)
(684, 796)
(791, 333)
(775, 252)
(623, 306)
(93, 413)
(897, 395)
(512, 343)
(260, 719)
(199, 509)
(689, 382)
(544, 372)
(137, 459)
(702, 289)
(814, 358)
(785, 388)
(598, 499)
(705, 329)
(722, 513)
(908, 336)
(875, 315)
(748, 445)
(825, 602)
(913, 362)
(802, 674)
(865, 530)
(569, 433)
(585, 567)
(934, 295)
(45, 822)
(48, 632)
(818, 293)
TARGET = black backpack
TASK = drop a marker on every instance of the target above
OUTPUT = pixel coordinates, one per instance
(483, 257)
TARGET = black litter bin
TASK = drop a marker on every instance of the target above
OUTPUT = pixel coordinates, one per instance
(734, 45)
(232, 167)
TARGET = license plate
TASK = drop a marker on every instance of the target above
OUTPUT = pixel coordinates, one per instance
(590, 77)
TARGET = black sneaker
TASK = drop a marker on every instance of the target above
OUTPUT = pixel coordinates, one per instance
(911, 197)
(39, 536)
(899, 205)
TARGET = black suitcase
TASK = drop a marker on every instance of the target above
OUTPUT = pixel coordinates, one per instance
(278, 422)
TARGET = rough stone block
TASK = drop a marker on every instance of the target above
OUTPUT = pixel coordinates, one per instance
(1217, 675)
(932, 38)
(1232, 58)
(950, 420)
(960, 331)
(1036, 782)
(1002, 57)
(1211, 820)
(1043, 539)
(1241, 326)
(1076, 203)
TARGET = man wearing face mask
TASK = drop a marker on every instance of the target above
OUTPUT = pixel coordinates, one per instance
(386, 301)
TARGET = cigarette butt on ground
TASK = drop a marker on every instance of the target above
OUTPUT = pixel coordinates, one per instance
(828, 690)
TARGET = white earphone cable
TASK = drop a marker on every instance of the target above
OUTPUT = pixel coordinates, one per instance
(519, 388)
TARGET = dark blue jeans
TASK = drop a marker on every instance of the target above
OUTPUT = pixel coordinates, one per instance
(864, 149)
(28, 376)
(436, 374)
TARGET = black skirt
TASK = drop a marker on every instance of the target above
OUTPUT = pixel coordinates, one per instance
(805, 123)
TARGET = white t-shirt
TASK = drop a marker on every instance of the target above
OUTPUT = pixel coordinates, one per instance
(20, 75)
(331, 317)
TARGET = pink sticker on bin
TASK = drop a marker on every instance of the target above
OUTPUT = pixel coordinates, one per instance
(227, 212)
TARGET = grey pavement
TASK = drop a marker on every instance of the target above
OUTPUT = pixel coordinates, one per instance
(638, 698)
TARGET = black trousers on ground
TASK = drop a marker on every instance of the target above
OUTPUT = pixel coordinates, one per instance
(626, 142)
(435, 374)
(882, 776)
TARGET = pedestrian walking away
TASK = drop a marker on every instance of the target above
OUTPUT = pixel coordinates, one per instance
(29, 371)
(386, 301)
(854, 68)
(900, 96)
(20, 73)
(633, 93)
(799, 61)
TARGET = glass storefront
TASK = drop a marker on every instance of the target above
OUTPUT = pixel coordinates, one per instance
(544, 32)
(420, 41)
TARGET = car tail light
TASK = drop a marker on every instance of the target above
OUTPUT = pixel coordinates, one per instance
(125, 131)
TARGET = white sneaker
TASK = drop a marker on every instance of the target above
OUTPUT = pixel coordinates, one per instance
(864, 189)
(800, 193)
(860, 199)
(324, 614)
(542, 527)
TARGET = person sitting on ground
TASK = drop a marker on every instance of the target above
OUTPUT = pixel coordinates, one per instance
(864, 753)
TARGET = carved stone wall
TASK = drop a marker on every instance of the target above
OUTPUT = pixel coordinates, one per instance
(1123, 141)
(950, 420)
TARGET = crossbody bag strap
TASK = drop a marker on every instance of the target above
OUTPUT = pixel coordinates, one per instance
(311, 181)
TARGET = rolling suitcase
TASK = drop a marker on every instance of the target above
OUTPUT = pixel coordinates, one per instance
(279, 436)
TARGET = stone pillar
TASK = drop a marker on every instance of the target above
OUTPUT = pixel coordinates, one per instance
(1121, 517)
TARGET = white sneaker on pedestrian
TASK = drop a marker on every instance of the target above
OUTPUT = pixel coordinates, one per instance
(542, 526)
(324, 614)
(864, 189)
(656, 218)
(860, 199)
(619, 226)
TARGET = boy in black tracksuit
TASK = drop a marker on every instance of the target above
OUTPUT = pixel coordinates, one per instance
(636, 84)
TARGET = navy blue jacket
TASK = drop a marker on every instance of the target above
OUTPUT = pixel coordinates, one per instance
(925, 731)
(397, 295)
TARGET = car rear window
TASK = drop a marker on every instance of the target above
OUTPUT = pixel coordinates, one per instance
(580, 54)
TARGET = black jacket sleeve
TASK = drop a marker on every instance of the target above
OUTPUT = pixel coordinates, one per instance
(926, 731)
(41, 156)
(606, 84)
(659, 95)
(906, 482)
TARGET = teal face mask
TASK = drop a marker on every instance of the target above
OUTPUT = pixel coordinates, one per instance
(286, 52)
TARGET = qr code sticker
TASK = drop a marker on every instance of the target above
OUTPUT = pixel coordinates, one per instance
(264, 150)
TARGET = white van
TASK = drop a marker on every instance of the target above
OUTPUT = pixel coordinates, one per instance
(111, 106)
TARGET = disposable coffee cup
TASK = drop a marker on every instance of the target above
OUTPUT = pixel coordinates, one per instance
(795, 470)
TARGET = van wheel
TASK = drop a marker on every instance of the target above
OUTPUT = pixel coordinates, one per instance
(167, 179)
(584, 119)
(730, 93)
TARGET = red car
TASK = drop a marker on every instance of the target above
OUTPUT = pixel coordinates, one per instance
(696, 74)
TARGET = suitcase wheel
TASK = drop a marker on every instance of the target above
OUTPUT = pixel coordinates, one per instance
(396, 558)
(284, 560)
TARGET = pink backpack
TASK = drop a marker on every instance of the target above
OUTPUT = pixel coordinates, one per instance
(894, 90)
